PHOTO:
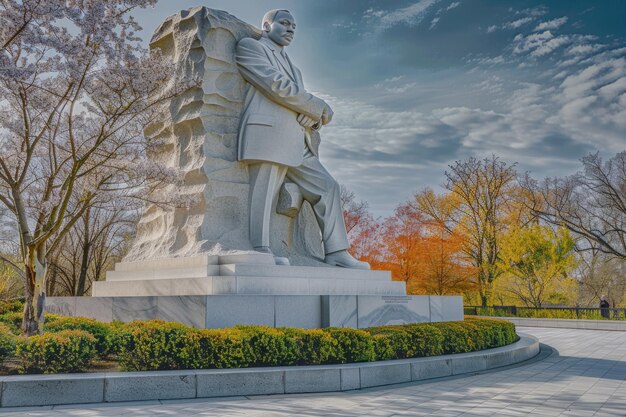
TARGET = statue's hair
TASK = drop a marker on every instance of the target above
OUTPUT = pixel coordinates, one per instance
(270, 16)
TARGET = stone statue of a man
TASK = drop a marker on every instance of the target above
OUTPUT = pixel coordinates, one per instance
(278, 139)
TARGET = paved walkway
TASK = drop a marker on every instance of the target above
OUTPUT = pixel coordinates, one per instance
(584, 376)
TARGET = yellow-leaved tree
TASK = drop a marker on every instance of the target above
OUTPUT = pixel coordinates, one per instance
(536, 261)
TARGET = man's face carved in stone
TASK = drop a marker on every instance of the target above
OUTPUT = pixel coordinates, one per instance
(282, 30)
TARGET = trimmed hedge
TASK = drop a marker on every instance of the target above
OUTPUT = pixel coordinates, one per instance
(13, 320)
(50, 353)
(72, 343)
(156, 345)
(102, 332)
(7, 342)
(11, 306)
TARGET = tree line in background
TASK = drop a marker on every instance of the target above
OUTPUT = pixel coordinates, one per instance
(498, 237)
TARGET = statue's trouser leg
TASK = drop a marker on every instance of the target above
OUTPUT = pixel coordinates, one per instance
(265, 181)
(320, 189)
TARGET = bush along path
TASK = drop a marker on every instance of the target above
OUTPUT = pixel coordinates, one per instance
(72, 343)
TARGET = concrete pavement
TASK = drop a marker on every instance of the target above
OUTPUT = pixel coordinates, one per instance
(584, 376)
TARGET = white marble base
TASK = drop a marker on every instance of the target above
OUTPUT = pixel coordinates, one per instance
(248, 288)
(303, 311)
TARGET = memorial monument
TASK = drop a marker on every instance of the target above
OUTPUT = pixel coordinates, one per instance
(264, 241)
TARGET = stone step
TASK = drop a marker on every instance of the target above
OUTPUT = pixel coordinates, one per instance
(247, 285)
(310, 272)
(243, 270)
(164, 273)
(168, 263)
(199, 261)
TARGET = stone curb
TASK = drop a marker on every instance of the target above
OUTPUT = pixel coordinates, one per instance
(39, 390)
(613, 325)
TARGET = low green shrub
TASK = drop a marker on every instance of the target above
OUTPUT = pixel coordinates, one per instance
(208, 348)
(270, 346)
(101, 331)
(151, 345)
(66, 351)
(457, 338)
(13, 320)
(426, 339)
(492, 333)
(11, 306)
(351, 345)
(313, 347)
(391, 343)
(7, 342)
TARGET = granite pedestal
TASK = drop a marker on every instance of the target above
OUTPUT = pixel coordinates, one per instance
(247, 288)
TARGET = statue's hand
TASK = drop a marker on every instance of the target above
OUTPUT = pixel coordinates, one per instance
(327, 115)
(305, 121)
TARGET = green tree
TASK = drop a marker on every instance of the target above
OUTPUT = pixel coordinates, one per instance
(536, 261)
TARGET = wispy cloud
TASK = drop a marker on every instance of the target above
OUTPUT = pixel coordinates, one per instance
(434, 22)
(395, 85)
(551, 24)
(515, 24)
(453, 5)
(411, 15)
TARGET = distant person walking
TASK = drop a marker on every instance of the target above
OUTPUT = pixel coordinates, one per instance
(604, 307)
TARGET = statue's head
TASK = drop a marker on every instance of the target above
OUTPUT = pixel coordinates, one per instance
(279, 25)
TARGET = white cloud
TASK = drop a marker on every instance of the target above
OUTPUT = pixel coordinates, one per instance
(584, 49)
(550, 46)
(434, 22)
(551, 24)
(535, 11)
(492, 28)
(539, 44)
(453, 5)
(515, 24)
(395, 85)
(413, 14)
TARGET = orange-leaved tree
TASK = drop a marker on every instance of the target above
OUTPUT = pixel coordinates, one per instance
(444, 269)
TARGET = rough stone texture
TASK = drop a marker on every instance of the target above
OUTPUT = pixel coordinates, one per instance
(312, 379)
(19, 391)
(156, 385)
(199, 138)
(430, 368)
(222, 383)
(385, 373)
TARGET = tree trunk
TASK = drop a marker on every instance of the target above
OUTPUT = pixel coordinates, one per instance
(35, 288)
(84, 266)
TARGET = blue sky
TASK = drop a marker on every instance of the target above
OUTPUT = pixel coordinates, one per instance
(418, 84)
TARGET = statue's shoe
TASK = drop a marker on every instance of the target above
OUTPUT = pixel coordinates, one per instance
(278, 260)
(343, 259)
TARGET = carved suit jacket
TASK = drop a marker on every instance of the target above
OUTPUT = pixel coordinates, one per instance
(268, 130)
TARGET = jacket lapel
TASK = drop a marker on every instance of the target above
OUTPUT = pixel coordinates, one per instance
(286, 66)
